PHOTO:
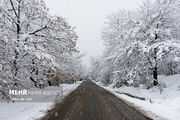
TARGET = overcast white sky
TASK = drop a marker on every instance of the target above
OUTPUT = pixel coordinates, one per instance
(89, 16)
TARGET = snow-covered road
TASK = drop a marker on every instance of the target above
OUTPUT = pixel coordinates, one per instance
(91, 102)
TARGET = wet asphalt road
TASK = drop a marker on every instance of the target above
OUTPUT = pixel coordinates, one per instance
(91, 102)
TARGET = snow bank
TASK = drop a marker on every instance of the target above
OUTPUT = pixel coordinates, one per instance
(165, 103)
(31, 110)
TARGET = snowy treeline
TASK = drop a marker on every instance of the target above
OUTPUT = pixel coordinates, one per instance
(140, 45)
(35, 47)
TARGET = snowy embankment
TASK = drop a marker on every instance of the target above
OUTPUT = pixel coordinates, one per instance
(31, 110)
(158, 103)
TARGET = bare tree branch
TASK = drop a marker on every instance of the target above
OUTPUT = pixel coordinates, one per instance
(13, 8)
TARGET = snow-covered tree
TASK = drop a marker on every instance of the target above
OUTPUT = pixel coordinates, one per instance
(155, 31)
(34, 45)
(140, 44)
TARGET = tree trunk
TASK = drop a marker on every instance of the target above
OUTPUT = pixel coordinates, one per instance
(155, 76)
(18, 28)
(155, 70)
(57, 81)
(15, 63)
(49, 82)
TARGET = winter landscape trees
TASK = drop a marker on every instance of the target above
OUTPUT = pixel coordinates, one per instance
(140, 45)
(35, 46)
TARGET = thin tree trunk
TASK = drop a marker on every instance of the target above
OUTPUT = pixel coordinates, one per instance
(18, 28)
(155, 70)
(155, 76)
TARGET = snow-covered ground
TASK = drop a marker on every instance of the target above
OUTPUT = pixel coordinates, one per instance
(30, 110)
(165, 104)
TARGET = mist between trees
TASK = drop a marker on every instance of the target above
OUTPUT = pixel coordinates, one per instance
(140, 45)
(36, 48)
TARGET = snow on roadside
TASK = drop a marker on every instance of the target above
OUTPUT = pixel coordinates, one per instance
(165, 105)
(30, 110)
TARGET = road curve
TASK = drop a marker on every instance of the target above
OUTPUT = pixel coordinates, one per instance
(91, 102)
